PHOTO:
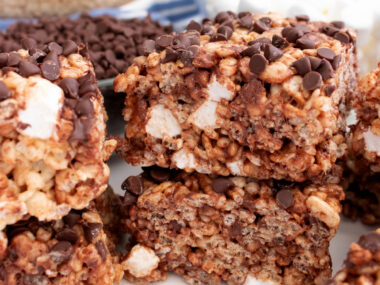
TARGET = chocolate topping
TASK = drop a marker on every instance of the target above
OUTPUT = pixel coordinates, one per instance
(221, 185)
(305, 43)
(61, 252)
(5, 93)
(284, 198)
(258, 63)
(27, 68)
(70, 87)
(193, 25)
(262, 25)
(133, 184)
(370, 241)
(101, 249)
(71, 219)
(50, 69)
(312, 80)
(326, 70)
(67, 234)
(272, 53)
(91, 230)
(279, 42)
(326, 53)
(302, 65)
(342, 37)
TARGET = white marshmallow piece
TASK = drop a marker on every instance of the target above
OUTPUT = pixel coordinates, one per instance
(141, 261)
(162, 123)
(372, 142)
(217, 91)
(351, 118)
(43, 102)
(184, 160)
(236, 167)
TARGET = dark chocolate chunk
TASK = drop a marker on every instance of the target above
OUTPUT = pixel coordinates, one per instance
(326, 53)
(338, 24)
(304, 18)
(226, 31)
(129, 199)
(342, 37)
(91, 230)
(56, 48)
(284, 198)
(262, 25)
(221, 185)
(336, 61)
(305, 43)
(14, 59)
(61, 252)
(193, 25)
(246, 21)
(159, 174)
(272, 53)
(302, 65)
(28, 43)
(27, 68)
(250, 51)
(67, 234)
(370, 241)
(257, 64)
(50, 70)
(71, 219)
(279, 42)
(133, 184)
(84, 108)
(101, 249)
(329, 89)
(164, 41)
(312, 80)
(5, 93)
(325, 69)
(70, 87)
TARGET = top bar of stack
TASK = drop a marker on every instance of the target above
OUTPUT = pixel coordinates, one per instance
(249, 95)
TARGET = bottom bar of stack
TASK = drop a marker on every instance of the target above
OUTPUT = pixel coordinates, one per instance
(74, 250)
(210, 229)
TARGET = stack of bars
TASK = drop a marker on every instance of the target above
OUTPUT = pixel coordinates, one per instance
(52, 153)
(239, 124)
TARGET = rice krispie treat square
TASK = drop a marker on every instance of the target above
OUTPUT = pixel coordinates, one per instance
(253, 95)
(210, 229)
(73, 250)
(363, 262)
(52, 133)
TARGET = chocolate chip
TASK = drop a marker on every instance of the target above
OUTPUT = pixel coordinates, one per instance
(370, 241)
(312, 80)
(193, 25)
(71, 219)
(315, 62)
(70, 87)
(250, 51)
(291, 34)
(257, 64)
(236, 230)
(56, 48)
(326, 70)
(221, 185)
(170, 55)
(342, 37)
(148, 46)
(329, 30)
(67, 234)
(159, 174)
(69, 47)
(304, 18)
(262, 41)
(3, 59)
(27, 68)
(272, 53)
(129, 199)
(91, 230)
(5, 93)
(305, 43)
(246, 21)
(101, 249)
(336, 61)
(14, 59)
(133, 184)
(84, 108)
(36, 53)
(61, 252)
(279, 42)
(164, 41)
(329, 89)
(207, 30)
(284, 198)
(302, 65)
(14, 231)
(261, 25)
(338, 24)
(28, 43)
(218, 38)
(326, 53)
(81, 130)
(226, 31)
(187, 56)
(50, 70)
(222, 17)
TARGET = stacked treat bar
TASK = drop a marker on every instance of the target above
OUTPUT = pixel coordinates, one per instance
(52, 153)
(239, 123)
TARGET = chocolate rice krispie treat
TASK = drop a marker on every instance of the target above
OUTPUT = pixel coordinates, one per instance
(72, 250)
(52, 133)
(362, 266)
(248, 95)
(210, 229)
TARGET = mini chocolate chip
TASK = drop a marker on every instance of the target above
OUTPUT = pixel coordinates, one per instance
(5, 93)
(218, 38)
(67, 234)
(164, 41)
(50, 70)
(159, 174)
(148, 46)
(193, 25)
(133, 184)
(28, 43)
(263, 41)
(186, 56)
(326, 70)
(170, 55)
(336, 61)
(69, 47)
(221, 185)
(302, 65)
(250, 51)
(61, 252)
(291, 34)
(246, 21)
(304, 18)
(71, 219)
(3, 59)
(279, 41)
(27, 68)
(284, 198)
(37, 53)
(305, 43)
(329, 30)
(101, 249)
(14, 59)
(236, 230)
(91, 230)
(342, 37)
(261, 25)
(81, 129)
(370, 241)
(52, 56)
(272, 53)
(315, 62)
(258, 63)
(56, 48)
(70, 87)
(88, 87)
(84, 108)
(326, 53)
(222, 17)
(226, 31)
(207, 30)
(338, 24)
(312, 80)
(329, 89)
(129, 199)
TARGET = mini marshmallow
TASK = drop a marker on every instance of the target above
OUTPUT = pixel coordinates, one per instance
(162, 123)
(372, 142)
(141, 261)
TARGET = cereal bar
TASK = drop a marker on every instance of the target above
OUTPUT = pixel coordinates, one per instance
(253, 95)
